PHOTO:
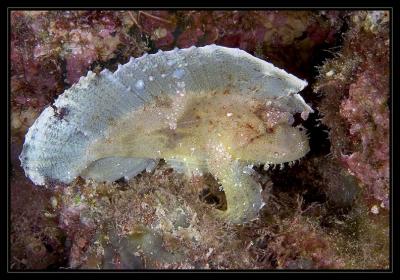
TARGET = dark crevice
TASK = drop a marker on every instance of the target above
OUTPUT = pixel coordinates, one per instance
(212, 194)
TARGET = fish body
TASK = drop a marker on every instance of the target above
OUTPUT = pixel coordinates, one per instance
(208, 109)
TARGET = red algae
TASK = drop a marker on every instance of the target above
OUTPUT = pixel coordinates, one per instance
(50, 49)
(355, 104)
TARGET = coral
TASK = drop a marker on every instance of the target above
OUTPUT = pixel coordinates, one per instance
(355, 85)
(368, 115)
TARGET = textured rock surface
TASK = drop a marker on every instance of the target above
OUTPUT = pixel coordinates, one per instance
(355, 107)
(180, 231)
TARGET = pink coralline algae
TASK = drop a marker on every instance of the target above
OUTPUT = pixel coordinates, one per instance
(51, 49)
(367, 112)
(355, 107)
